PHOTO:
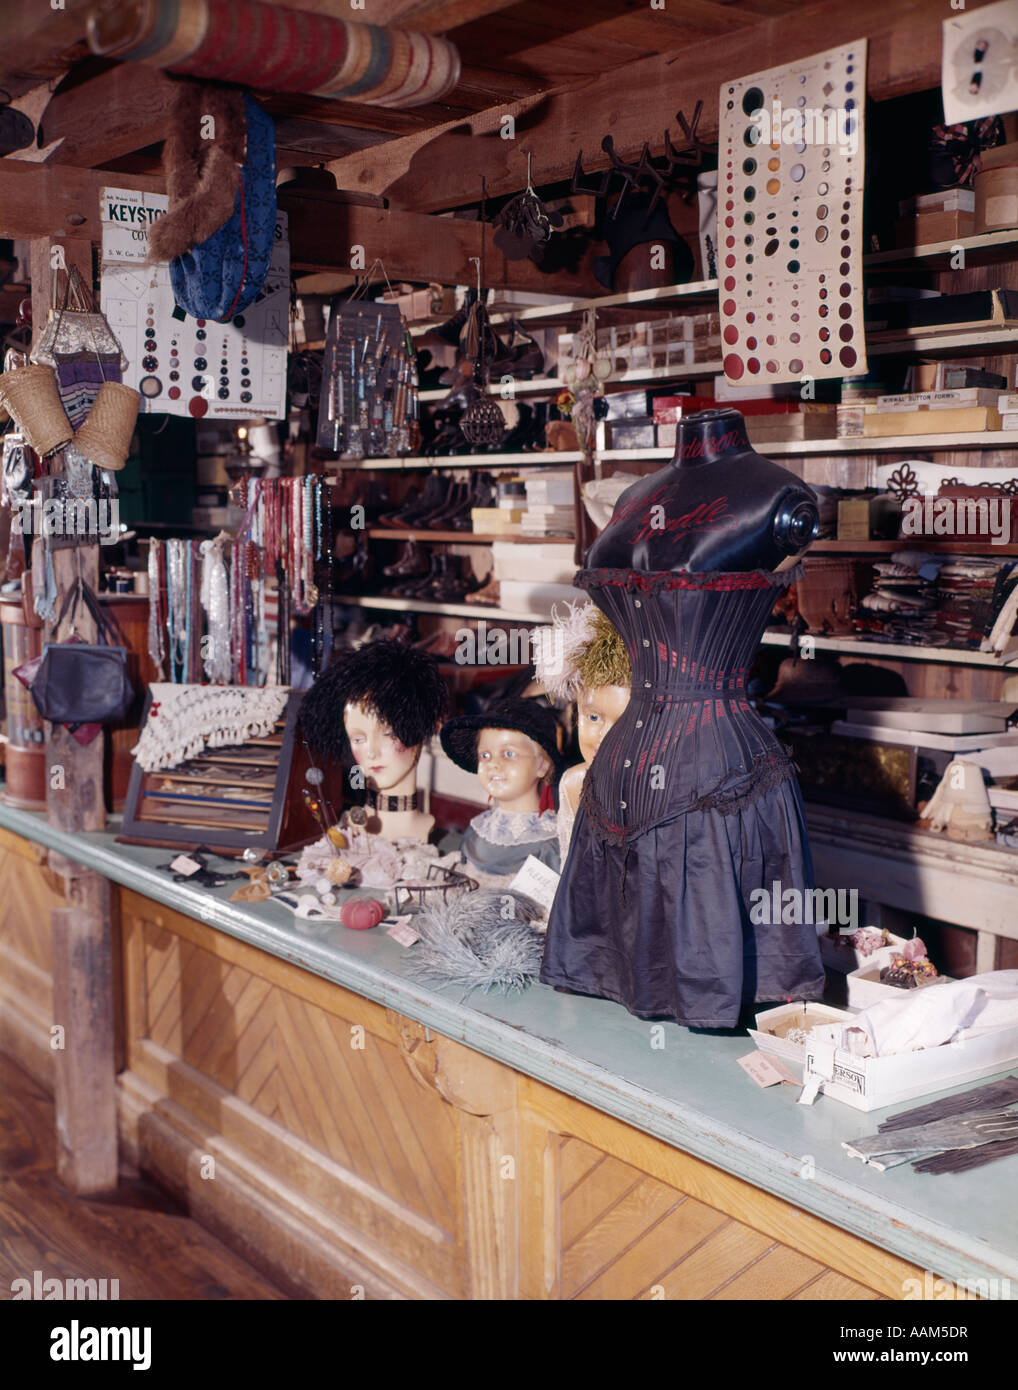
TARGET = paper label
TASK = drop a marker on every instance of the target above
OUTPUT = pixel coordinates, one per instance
(185, 865)
(810, 1091)
(535, 880)
(402, 931)
(765, 1070)
(138, 301)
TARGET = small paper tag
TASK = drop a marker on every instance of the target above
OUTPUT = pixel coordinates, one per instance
(766, 1071)
(811, 1090)
(183, 864)
(535, 880)
(402, 931)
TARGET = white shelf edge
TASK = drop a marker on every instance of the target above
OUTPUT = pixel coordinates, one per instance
(983, 241)
(925, 340)
(863, 444)
(468, 460)
(954, 656)
(449, 610)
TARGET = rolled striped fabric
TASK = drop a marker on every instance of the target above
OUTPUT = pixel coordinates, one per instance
(274, 49)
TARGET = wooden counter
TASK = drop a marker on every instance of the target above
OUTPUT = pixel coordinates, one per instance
(357, 1134)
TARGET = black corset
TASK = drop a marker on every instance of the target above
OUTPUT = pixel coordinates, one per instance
(689, 738)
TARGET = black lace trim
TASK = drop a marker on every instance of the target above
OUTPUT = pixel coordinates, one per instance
(654, 581)
(768, 770)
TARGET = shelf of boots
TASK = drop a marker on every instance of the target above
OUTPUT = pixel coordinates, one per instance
(987, 246)
(622, 381)
(568, 309)
(449, 610)
(408, 533)
(896, 651)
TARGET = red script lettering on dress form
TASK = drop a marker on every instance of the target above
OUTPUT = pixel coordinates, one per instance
(707, 516)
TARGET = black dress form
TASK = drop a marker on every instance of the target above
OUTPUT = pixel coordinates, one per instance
(690, 804)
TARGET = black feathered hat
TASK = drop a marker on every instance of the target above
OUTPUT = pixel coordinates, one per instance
(395, 681)
(459, 736)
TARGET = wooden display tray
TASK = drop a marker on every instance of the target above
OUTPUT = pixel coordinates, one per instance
(245, 796)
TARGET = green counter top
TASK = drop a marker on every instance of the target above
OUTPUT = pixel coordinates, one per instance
(679, 1086)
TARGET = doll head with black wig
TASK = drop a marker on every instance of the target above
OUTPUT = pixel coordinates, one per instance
(379, 704)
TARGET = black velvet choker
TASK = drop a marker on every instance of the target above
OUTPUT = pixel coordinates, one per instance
(378, 801)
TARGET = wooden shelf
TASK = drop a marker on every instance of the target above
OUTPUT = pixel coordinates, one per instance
(491, 461)
(540, 386)
(896, 651)
(862, 444)
(572, 308)
(375, 533)
(450, 610)
(984, 247)
(945, 343)
(974, 547)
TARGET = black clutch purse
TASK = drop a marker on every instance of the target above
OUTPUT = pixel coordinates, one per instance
(84, 682)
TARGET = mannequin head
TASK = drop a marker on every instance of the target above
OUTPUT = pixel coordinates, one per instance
(597, 709)
(513, 748)
(378, 704)
(603, 685)
(511, 768)
(387, 763)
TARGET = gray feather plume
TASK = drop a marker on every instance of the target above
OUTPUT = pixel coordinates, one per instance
(482, 940)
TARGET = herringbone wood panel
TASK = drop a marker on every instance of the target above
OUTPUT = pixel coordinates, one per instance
(626, 1235)
(28, 894)
(298, 1065)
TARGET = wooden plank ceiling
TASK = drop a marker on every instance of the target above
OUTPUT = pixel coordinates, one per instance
(114, 116)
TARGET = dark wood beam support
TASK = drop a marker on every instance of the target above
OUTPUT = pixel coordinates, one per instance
(414, 246)
(54, 200)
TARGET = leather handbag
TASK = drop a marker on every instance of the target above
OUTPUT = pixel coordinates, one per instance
(84, 682)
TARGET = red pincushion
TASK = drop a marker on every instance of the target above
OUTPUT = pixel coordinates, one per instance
(362, 914)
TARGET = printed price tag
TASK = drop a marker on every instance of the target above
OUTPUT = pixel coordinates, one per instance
(766, 1071)
(535, 880)
(185, 865)
(402, 931)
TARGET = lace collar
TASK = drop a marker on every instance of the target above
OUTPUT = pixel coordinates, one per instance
(515, 827)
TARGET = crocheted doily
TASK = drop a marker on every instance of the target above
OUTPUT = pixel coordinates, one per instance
(184, 720)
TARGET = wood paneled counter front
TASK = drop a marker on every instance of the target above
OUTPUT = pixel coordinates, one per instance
(357, 1134)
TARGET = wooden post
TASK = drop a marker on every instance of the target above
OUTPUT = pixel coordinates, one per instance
(82, 931)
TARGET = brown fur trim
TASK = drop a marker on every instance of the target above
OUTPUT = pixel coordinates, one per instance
(201, 175)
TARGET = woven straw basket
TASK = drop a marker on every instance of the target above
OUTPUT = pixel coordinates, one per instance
(105, 437)
(32, 397)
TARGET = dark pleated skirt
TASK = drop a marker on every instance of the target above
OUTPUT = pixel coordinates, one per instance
(662, 924)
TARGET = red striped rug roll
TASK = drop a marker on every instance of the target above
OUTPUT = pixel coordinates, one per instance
(274, 49)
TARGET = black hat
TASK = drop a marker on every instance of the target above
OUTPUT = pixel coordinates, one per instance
(636, 225)
(459, 736)
(401, 684)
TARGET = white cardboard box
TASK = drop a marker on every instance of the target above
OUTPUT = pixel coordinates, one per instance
(766, 1040)
(870, 1083)
(865, 986)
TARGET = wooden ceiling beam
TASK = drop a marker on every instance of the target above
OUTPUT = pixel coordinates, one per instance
(445, 169)
(102, 115)
(53, 200)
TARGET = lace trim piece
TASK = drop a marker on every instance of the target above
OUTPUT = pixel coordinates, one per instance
(184, 720)
(768, 770)
(654, 581)
(515, 827)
